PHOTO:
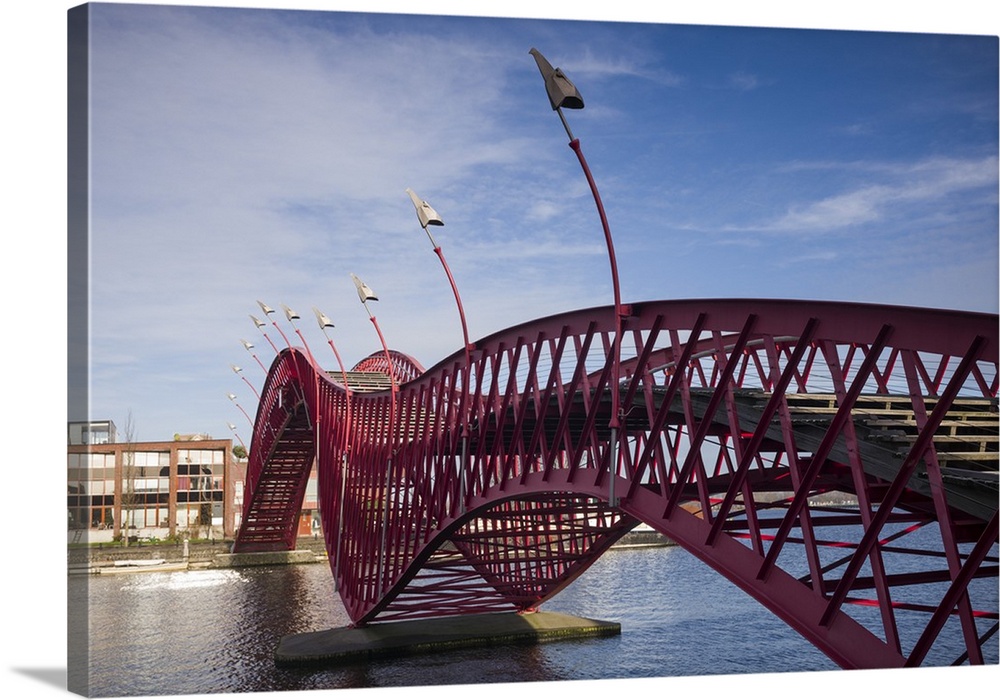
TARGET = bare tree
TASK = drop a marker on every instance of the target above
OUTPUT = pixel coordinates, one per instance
(129, 498)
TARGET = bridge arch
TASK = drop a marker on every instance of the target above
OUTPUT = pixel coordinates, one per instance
(497, 487)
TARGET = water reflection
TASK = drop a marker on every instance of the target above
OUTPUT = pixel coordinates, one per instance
(216, 631)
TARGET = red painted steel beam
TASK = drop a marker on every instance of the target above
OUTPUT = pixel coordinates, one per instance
(498, 492)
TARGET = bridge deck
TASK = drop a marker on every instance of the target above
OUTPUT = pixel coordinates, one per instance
(966, 446)
(362, 382)
(500, 482)
(886, 428)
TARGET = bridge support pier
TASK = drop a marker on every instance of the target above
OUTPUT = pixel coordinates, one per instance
(393, 639)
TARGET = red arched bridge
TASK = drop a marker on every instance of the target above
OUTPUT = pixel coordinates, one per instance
(795, 447)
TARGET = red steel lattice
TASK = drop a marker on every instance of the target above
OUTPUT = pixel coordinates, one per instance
(739, 420)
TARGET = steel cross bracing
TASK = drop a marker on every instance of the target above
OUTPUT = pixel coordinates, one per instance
(795, 447)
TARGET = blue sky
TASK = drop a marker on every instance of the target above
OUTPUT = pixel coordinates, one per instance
(261, 160)
(240, 155)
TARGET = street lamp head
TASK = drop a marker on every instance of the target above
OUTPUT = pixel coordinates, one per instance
(265, 308)
(425, 212)
(237, 368)
(322, 319)
(231, 427)
(232, 397)
(289, 314)
(246, 343)
(256, 321)
(365, 292)
(562, 92)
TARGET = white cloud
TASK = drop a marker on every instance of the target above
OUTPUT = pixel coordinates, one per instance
(257, 160)
(744, 81)
(587, 64)
(265, 161)
(901, 192)
(839, 211)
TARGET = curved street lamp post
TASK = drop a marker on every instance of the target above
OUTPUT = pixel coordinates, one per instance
(232, 397)
(233, 428)
(292, 317)
(366, 294)
(239, 372)
(260, 326)
(325, 322)
(267, 312)
(563, 93)
(249, 347)
(427, 216)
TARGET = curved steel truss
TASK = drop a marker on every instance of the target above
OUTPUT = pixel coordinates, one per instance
(795, 447)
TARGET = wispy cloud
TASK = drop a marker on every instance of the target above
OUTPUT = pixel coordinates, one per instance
(744, 81)
(589, 65)
(262, 156)
(818, 256)
(857, 129)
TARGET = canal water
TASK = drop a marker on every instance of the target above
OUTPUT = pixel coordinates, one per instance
(214, 631)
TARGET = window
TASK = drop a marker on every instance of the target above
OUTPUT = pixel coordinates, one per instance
(200, 487)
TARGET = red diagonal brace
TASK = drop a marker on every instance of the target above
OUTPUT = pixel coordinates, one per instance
(752, 448)
(955, 593)
(819, 456)
(706, 420)
(898, 485)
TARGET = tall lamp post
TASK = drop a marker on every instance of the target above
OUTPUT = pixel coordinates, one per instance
(232, 397)
(427, 216)
(260, 325)
(267, 312)
(239, 372)
(292, 316)
(233, 428)
(249, 346)
(563, 93)
(325, 322)
(366, 294)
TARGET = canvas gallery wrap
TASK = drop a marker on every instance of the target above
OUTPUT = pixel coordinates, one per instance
(414, 350)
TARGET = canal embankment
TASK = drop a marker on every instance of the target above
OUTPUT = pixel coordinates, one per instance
(106, 559)
(173, 556)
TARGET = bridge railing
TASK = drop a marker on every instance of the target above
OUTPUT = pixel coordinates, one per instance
(737, 415)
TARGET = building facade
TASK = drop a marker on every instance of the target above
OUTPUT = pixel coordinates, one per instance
(179, 488)
(93, 433)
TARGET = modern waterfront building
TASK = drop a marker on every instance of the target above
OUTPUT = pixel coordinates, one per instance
(191, 485)
(92, 433)
(187, 486)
